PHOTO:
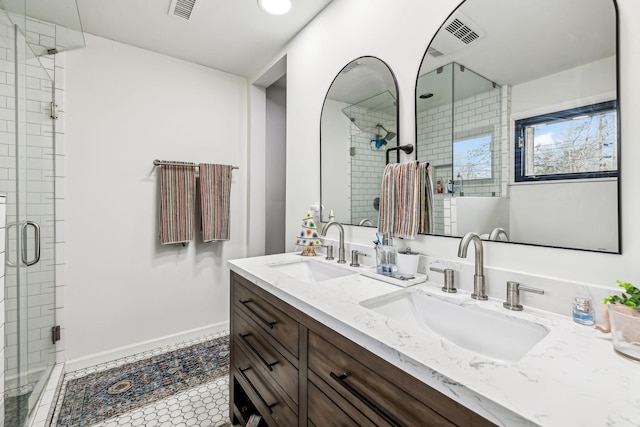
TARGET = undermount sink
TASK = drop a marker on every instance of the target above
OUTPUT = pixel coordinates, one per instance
(485, 332)
(310, 271)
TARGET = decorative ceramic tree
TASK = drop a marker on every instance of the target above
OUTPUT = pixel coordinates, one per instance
(308, 237)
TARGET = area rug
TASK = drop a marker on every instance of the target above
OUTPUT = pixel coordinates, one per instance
(103, 395)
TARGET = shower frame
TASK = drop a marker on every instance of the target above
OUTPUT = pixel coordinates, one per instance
(27, 177)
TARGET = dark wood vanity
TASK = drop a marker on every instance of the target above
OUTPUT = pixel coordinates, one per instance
(295, 371)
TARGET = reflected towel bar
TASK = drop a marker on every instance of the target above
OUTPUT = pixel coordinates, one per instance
(163, 162)
(408, 149)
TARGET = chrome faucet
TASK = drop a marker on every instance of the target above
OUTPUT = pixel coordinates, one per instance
(497, 232)
(366, 221)
(341, 251)
(479, 291)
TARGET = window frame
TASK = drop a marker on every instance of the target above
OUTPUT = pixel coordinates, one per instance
(521, 150)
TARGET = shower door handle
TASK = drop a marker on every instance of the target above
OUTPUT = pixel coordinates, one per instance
(25, 254)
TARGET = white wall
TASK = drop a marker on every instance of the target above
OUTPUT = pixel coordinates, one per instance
(579, 214)
(275, 160)
(126, 107)
(479, 214)
(579, 86)
(347, 30)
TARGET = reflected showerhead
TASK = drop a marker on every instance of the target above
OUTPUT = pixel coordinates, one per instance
(389, 135)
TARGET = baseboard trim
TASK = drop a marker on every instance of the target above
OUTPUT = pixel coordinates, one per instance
(130, 350)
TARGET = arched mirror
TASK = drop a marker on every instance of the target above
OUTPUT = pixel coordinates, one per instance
(517, 113)
(359, 123)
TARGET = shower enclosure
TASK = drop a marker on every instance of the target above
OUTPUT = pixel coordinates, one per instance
(28, 112)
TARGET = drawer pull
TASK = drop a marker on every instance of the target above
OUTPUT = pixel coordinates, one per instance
(341, 380)
(253, 388)
(255, 313)
(254, 351)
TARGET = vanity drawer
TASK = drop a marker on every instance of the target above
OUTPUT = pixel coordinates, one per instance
(258, 387)
(373, 395)
(325, 412)
(271, 319)
(265, 357)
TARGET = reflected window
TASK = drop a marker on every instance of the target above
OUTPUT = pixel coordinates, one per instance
(472, 157)
(570, 144)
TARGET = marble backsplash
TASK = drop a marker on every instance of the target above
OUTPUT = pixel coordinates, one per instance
(558, 296)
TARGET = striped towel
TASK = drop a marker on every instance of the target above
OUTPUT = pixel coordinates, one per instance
(426, 223)
(399, 202)
(215, 193)
(177, 188)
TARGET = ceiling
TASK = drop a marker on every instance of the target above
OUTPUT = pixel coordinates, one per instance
(527, 40)
(555, 36)
(234, 36)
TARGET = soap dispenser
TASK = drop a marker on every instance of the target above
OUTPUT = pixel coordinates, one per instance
(583, 311)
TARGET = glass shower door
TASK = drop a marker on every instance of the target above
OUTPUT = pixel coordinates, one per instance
(30, 260)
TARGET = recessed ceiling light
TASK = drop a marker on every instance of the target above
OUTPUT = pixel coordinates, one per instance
(275, 7)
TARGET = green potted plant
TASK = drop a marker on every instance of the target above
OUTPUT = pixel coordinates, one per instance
(630, 298)
(626, 309)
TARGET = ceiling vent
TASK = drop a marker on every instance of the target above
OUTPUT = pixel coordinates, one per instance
(458, 32)
(182, 8)
(350, 66)
(434, 52)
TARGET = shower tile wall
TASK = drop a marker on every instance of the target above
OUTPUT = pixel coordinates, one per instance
(7, 169)
(367, 164)
(473, 114)
(41, 182)
(434, 126)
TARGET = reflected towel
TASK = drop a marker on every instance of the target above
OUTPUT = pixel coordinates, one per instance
(177, 188)
(425, 219)
(399, 210)
(215, 194)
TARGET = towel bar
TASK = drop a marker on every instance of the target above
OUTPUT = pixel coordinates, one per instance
(164, 162)
(408, 149)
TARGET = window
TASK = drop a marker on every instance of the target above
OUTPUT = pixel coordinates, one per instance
(472, 157)
(570, 144)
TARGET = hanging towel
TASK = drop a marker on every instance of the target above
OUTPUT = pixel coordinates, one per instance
(426, 221)
(215, 193)
(399, 201)
(177, 188)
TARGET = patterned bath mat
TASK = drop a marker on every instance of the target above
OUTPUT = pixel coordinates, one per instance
(103, 395)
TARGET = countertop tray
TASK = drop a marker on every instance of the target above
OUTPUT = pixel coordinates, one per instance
(371, 272)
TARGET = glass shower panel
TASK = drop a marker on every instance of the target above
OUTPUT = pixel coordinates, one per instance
(374, 117)
(476, 134)
(434, 121)
(28, 180)
(37, 214)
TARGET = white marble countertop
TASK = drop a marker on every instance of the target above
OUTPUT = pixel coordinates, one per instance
(572, 377)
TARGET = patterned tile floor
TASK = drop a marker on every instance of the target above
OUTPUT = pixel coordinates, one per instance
(203, 406)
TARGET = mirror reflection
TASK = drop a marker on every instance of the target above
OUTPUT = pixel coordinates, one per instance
(518, 119)
(358, 124)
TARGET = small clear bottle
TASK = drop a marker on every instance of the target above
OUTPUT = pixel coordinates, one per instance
(583, 312)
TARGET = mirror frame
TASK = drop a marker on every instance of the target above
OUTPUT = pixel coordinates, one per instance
(618, 134)
(398, 135)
